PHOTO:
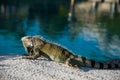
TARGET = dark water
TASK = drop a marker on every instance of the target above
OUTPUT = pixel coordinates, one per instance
(98, 39)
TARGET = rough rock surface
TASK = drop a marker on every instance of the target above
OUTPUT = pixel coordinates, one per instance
(15, 68)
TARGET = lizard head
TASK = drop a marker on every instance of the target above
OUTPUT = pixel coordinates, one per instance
(31, 42)
(28, 44)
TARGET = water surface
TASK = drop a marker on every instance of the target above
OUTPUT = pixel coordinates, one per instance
(98, 39)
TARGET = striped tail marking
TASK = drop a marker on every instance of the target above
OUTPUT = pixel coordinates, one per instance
(94, 64)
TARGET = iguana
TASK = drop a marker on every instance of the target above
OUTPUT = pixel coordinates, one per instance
(36, 47)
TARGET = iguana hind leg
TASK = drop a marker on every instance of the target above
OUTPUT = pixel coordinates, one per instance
(72, 63)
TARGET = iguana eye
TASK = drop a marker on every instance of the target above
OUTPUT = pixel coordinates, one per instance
(31, 44)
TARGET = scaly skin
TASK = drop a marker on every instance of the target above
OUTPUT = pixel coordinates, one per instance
(36, 47)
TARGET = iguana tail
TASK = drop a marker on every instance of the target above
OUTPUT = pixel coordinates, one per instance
(79, 61)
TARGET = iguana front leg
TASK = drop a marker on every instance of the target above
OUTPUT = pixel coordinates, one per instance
(35, 54)
(30, 57)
